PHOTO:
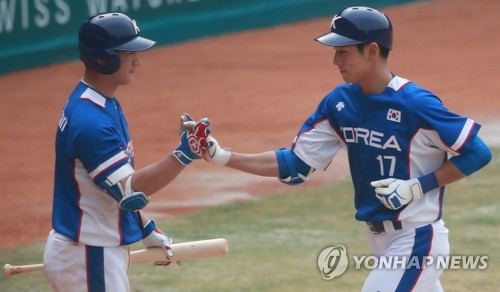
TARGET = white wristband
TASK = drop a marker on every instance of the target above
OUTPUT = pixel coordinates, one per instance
(222, 157)
(216, 154)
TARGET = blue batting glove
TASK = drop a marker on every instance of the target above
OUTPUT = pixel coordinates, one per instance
(193, 142)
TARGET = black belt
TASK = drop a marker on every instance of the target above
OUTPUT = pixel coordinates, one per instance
(378, 226)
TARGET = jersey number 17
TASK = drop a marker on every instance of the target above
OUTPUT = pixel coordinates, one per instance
(387, 161)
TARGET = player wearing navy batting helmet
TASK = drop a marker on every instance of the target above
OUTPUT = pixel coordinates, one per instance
(398, 137)
(98, 193)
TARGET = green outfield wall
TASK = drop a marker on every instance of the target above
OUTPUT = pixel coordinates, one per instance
(41, 32)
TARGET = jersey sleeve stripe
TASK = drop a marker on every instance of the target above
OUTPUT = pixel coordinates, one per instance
(464, 135)
(108, 163)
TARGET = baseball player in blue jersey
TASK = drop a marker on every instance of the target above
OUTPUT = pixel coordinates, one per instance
(403, 147)
(98, 194)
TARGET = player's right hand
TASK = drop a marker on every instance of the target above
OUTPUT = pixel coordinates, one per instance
(193, 139)
(216, 154)
(395, 193)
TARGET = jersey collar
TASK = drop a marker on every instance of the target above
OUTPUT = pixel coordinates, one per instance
(94, 96)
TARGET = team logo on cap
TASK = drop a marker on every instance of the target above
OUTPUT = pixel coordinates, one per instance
(336, 17)
(136, 28)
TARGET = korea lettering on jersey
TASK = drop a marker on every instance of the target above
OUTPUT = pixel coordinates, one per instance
(405, 132)
(92, 142)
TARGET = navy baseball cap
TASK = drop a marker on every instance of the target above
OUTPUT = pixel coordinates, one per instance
(114, 31)
(357, 25)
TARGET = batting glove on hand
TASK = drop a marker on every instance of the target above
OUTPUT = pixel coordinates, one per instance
(395, 193)
(187, 123)
(193, 139)
(216, 154)
(152, 236)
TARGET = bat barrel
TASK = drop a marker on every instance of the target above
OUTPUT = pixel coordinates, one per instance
(183, 251)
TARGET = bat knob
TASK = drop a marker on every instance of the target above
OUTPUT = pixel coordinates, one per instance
(7, 270)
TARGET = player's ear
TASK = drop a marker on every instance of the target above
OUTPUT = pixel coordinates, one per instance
(372, 49)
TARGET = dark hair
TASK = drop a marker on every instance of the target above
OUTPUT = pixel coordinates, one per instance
(384, 52)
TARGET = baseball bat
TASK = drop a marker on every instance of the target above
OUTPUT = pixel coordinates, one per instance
(191, 250)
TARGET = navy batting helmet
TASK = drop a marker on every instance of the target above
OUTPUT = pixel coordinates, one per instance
(356, 25)
(104, 34)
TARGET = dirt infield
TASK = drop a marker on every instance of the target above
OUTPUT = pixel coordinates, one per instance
(257, 87)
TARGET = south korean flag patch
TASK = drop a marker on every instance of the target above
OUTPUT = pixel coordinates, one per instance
(394, 115)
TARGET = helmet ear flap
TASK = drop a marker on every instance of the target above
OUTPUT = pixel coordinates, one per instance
(104, 61)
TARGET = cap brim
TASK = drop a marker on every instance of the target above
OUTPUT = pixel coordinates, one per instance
(135, 45)
(336, 40)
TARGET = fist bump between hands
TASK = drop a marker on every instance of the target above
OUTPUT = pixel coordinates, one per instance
(193, 136)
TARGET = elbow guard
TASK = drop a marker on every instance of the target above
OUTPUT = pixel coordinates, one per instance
(292, 170)
(126, 198)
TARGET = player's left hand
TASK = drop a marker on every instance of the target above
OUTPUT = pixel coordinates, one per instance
(395, 193)
(193, 139)
(153, 236)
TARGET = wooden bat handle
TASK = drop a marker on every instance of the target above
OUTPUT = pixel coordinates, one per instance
(182, 252)
(9, 270)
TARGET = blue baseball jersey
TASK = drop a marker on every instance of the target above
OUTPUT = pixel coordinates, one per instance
(92, 143)
(404, 132)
